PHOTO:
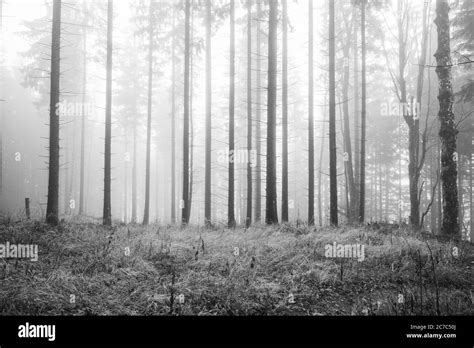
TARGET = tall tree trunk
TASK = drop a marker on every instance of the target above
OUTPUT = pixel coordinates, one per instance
(125, 182)
(207, 183)
(332, 119)
(134, 170)
(447, 131)
(320, 174)
(356, 112)
(185, 197)
(363, 116)
(230, 202)
(310, 116)
(53, 179)
(146, 213)
(347, 131)
(248, 219)
(173, 124)
(107, 211)
(258, 168)
(271, 214)
(83, 125)
(284, 177)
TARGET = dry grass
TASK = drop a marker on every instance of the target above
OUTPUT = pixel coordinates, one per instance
(91, 262)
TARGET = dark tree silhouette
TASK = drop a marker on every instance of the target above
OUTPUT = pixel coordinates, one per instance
(447, 131)
(107, 211)
(53, 179)
(271, 214)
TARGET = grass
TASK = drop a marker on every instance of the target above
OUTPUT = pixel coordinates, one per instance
(87, 269)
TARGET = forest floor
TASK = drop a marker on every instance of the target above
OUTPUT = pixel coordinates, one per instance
(84, 268)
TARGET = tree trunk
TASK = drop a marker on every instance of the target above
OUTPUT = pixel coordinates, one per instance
(347, 132)
(258, 167)
(230, 197)
(83, 126)
(271, 214)
(321, 155)
(248, 219)
(146, 213)
(356, 114)
(53, 179)
(284, 176)
(173, 124)
(447, 131)
(207, 181)
(107, 213)
(332, 119)
(363, 117)
(310, 116)
(185, 197)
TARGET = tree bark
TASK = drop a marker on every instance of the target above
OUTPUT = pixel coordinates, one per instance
(271, 214)
(185, 197)
(230, 197)
(447, 131)
(248, 219)
(53, 179)
(207, 179)
(284, 176)
(146, 213)
(310, 116)
(258, 167)
(173, 124)
(332, 119)
(363, 116)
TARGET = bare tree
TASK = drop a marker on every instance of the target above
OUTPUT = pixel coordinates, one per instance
(284, 177)
(332, 119)
(53, 180)
(310, 116)
(271, 214)
(230, 198)
(447, 131)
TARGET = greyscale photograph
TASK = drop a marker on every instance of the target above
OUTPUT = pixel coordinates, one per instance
(236, 158)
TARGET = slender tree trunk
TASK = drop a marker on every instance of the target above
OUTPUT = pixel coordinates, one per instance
(83, 125)
(258, 169)
(107, 212)
(460, 194)
(230, 202)
(332, 119)
(347, 133)
(363, 117)
(248, 219)
(146, 213)
(320, 174)
(185, 198)
(53, 179)
(448, 129)
(310, 116)
(284, 184)
(134, 170)
(207, 181)
(173, 125)
(271, 214)
(356, 113)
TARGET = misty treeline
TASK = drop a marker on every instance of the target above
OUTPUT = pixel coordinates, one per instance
(238, 112)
